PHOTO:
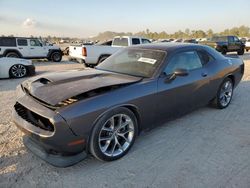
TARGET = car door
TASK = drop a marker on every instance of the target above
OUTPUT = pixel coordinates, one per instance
(37, 49)
(182, 94)
(23, 48)
(233, 43)
(237, 43)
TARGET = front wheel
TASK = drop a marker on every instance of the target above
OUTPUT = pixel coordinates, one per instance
(224, 51)
(56, 57)
(18, 71)
(224, 94)
(114, 134)
(241, 51)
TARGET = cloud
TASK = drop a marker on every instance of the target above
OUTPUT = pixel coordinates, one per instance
(29, 22)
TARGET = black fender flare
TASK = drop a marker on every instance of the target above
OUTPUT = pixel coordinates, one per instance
(12, 50)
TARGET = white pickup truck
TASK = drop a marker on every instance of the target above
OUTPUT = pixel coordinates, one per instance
(247, 45)
(94, 54)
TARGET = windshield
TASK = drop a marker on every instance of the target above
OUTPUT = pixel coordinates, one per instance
(136, 62)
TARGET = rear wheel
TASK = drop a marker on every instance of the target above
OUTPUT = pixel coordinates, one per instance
(224, 94)
(113, 135)
(102, 59)
(18, 71)
(12, 54)
(56, 57)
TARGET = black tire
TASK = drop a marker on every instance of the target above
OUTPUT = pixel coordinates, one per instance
(12, 54)
(224, 51)
(94, 144)
(56, 56)
(101, 59)
(18, 71)
(217, 101)
(241, 51)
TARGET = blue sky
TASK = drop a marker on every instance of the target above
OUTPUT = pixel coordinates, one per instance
(82, 18)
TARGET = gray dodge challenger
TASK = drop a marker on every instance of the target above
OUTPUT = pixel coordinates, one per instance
(68, 114)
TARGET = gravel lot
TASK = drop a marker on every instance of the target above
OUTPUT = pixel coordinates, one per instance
(207, 148)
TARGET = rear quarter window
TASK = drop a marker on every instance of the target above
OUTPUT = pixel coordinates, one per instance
(9, 42)
(120, 42)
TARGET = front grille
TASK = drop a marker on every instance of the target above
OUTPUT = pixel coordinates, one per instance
(33, 118)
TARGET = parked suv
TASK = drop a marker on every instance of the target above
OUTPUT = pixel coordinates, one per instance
(226, 44)
(28, 48)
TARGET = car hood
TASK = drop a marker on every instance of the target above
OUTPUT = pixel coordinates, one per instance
(56, 87)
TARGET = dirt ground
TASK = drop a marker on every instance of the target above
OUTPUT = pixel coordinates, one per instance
(207, 148)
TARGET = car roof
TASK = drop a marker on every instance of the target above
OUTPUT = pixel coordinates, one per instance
(167, 46)
(170, 47)
(20, 37)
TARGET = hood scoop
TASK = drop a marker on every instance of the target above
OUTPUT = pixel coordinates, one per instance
(44, 81)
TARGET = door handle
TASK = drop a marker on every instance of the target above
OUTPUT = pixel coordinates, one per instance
(20, 48)
(32, 48)
(204, 74)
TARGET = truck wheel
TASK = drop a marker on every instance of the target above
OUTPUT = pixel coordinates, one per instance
(241, 51)
(56, 57)
(224, 51)
(102, 59)
(12, 54)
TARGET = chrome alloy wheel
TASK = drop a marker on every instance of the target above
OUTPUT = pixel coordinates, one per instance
(226, 93)
(18, 71)
(116, 135)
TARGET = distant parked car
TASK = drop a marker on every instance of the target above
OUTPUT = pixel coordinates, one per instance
(226, 44)
(107, 43)
(15, 68)
(247, 45)
(177, 40)
(193, 41)
(92, 55)
(28, 48)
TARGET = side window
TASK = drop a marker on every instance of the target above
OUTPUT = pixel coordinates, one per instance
(22, 42)
(135, 41)
(145, 41)
(34, 42)
(236, 39)
(189, 60)
(205, 57)
(230, 39)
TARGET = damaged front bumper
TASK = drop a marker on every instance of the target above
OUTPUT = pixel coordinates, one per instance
(47, 134)
(55, 160)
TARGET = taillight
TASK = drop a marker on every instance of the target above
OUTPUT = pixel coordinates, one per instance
(84, 51)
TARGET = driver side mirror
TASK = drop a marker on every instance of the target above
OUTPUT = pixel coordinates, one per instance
(177, 72)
